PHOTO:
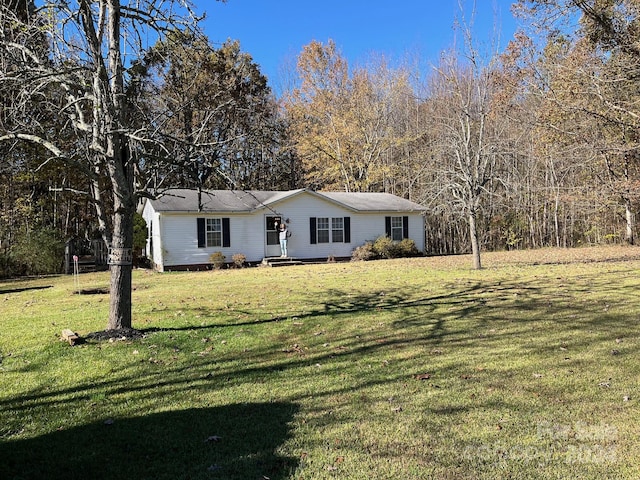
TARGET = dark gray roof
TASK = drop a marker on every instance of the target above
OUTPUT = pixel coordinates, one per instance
(184, 200)
(241, 201)
(373, 202)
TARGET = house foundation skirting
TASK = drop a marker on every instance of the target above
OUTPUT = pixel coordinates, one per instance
(208, 266)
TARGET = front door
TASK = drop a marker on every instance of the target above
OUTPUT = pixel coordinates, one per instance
(272, 247)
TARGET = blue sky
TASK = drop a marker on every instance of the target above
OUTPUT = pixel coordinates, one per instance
(274, 31)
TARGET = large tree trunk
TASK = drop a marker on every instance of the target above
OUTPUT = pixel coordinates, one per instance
(475, 243)
(121, 258)
(556, 219)
(121, 175)
(121, 271)
(630, 222)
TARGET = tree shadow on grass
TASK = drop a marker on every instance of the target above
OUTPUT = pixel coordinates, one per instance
(5, 291)
(230, 442)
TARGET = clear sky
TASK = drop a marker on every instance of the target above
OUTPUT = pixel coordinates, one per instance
(273, 32)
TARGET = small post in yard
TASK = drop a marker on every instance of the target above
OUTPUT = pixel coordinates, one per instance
(76, 274)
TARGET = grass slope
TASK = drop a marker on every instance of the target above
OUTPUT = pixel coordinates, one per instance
(403, 369)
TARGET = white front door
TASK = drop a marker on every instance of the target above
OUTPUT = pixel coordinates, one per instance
(272, 242)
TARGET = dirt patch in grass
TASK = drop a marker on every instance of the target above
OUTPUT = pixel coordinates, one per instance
(93, 291)
(120, 334)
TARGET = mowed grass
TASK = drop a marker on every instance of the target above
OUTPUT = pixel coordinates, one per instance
(400, 369)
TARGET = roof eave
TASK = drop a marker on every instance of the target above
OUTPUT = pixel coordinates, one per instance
(205, 212)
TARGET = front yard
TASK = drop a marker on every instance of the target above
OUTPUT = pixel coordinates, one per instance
(401, 369)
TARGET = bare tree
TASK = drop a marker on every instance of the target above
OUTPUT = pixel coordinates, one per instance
(463, 106)
(82, 78)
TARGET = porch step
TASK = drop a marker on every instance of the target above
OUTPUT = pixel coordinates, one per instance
(87, 264)
(280, 262)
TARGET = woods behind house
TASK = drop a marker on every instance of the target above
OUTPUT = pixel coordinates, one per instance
(528, 145)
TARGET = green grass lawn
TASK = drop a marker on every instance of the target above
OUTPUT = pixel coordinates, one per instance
(399, 369)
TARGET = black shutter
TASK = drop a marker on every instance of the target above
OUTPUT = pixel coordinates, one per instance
(226, 233)
(312, 231)
(387, 226)
(202, 236)
(347, 229)
(405, 227)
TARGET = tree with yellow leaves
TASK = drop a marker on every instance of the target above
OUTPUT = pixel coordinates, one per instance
(341, 122)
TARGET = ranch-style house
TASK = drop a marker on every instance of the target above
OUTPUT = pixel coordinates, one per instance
(185, 227)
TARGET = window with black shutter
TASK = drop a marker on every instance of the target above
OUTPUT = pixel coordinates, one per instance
(329, 230)
(214, 232)
(396, 228)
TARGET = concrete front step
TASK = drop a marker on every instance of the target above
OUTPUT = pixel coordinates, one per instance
(280, 262)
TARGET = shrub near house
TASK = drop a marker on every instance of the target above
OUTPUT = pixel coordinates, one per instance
(384, 247)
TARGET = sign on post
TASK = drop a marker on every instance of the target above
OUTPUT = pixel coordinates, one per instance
(120, 256)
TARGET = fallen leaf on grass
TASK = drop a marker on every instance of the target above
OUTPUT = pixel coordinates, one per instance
(206, 351)
(423, 376)
(294, 348)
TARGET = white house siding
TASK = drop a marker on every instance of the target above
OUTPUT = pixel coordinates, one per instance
(180, 239)
(369, 226)
(364, 226)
